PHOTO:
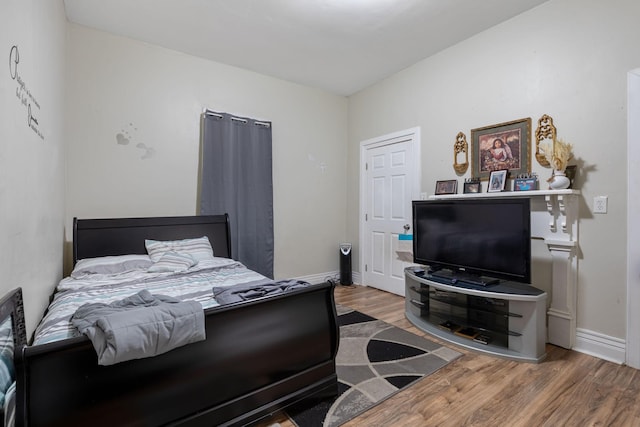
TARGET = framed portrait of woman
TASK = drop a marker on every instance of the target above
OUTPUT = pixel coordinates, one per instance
(501, 146)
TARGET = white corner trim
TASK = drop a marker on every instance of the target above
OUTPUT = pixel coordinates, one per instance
(601, 346)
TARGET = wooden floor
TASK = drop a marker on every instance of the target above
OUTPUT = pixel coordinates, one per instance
(567, 389)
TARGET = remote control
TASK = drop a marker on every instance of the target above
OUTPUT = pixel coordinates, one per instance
(484, 339)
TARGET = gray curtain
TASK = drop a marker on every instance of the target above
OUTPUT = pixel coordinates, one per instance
(236, 178)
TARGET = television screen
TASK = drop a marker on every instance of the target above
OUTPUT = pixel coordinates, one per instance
(485, 236)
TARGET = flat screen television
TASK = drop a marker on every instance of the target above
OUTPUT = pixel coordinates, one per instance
(474, 240)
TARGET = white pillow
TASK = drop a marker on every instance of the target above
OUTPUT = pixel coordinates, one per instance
(111, 265)
(199, 248)
(173, 262)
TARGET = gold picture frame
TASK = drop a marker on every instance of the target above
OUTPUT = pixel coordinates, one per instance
(545, 130)
(501, 146)
(461, 146)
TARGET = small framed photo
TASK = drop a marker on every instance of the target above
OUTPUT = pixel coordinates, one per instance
(447, 187)
(525, 184)
(497, 181)
(472, 187)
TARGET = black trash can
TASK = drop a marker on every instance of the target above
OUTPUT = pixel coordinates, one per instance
(345, 264)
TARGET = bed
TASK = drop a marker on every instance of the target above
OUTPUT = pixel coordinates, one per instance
(259, 355)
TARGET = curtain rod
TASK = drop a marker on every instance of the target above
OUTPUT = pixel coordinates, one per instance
(238, 119)
(208, 112)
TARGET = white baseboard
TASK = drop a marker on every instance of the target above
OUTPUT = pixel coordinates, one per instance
(318, 278)
(357, 277)
(322, 277)
(601, 346)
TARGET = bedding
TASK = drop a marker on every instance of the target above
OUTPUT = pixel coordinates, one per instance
(111, 265)
(9, 406)
(173, 262)
(7, 369)
(263, 288)
(140, 326)
(193, 284)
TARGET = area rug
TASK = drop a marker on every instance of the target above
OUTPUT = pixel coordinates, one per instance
(375, 361)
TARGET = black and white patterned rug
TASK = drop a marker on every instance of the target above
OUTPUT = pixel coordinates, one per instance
(375, 361)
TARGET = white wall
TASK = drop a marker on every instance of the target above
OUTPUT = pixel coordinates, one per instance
(122, 90)
(565, 58)
(31, 151)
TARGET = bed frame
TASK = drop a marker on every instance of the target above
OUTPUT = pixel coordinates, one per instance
(259, 356)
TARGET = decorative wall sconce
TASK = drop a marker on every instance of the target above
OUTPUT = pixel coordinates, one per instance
(545, 130)
(461, 146)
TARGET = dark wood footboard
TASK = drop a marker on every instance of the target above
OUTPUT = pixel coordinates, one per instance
(258, 357)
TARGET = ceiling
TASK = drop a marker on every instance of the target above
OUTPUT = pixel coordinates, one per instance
(341, 46)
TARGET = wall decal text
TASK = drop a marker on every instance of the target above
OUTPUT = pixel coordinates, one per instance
(23, 93)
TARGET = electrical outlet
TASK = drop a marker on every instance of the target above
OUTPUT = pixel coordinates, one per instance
(600, 204)
(423, 196)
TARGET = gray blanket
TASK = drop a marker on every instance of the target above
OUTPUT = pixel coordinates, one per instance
(258, 289)
(139, 326)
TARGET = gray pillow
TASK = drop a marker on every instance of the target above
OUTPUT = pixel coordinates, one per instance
(111, 265)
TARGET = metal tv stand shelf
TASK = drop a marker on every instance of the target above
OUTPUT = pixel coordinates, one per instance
(506, 319)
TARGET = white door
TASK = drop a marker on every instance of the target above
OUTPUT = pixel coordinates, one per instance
(390, 182)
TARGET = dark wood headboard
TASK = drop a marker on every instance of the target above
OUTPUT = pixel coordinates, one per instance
(121, 236)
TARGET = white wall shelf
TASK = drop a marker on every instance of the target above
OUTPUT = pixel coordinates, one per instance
(530, 193)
